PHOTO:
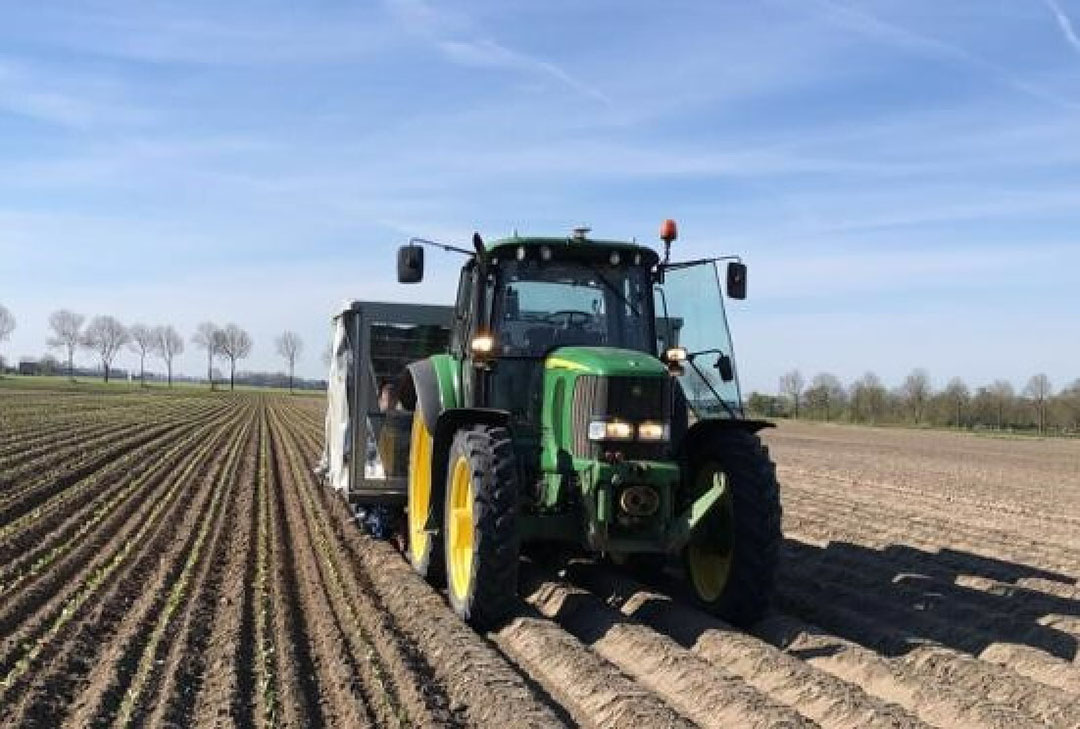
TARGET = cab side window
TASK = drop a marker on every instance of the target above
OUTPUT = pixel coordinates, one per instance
(462, 319)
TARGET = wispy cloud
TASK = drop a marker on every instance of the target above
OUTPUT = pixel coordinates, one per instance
(871, 25)
(67, 99)
(461, 43)
(488, 53)
(1065, 23)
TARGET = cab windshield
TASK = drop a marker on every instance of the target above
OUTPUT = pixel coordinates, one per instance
(543, 305)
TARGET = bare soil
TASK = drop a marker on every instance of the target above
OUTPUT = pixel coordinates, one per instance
(170, 561)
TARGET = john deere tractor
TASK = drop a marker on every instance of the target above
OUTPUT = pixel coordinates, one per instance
(588, 397)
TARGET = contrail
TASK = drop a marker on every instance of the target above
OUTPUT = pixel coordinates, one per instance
(1065, 24)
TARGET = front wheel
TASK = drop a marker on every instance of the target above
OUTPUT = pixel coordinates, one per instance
(482, 541)
(731, 561)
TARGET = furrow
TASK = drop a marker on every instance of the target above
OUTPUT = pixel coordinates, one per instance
(818, 695)
(706, 694)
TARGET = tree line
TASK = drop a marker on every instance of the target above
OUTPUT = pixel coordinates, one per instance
(915, 401)
(105, 337)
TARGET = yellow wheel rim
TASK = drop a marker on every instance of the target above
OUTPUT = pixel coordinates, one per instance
(460, 532)
(419, 489)
(709, 571)
(709, 565)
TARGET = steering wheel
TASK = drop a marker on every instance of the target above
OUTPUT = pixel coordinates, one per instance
(568, 318)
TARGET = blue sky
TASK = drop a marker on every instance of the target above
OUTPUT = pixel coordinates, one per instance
(902, 176)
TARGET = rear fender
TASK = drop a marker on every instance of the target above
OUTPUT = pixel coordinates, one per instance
(432, 386)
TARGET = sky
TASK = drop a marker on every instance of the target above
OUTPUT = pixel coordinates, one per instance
(902, 177)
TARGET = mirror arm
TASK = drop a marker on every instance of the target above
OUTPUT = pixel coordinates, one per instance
(444, 246)
(687, 264)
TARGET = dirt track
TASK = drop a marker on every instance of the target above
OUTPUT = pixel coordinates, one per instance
(170, 561)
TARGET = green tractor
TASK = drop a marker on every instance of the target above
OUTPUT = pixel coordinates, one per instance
(588, 398)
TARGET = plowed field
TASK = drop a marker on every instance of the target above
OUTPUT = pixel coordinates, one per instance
(167, 559)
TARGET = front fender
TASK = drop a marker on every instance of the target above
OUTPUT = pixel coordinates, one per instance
(701, 431)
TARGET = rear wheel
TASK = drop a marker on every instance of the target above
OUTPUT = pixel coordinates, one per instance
(481, 535)
(731, 560)
(424, 547)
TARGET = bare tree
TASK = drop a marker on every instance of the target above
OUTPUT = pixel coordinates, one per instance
(206, 337)
(67, 335)
(233, 343)
(1002, 393)
(1070, 401)
(142, 342)
(105, 336)
(289, 346)
(167, 344)
(7, 326)
(825, 394)
(791, 384)
(916, 391)
(868, 397)
(1039, 389)
(959, 396)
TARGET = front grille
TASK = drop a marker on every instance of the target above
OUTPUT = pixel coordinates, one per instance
(632, 399)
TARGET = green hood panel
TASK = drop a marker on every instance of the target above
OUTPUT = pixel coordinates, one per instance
(608, 361)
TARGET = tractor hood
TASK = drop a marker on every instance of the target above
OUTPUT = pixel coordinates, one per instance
(608, 361)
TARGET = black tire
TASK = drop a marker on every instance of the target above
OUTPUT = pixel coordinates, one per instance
(490, 595)
(748, 524)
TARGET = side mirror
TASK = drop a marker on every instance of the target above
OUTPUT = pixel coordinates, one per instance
(725, 368)
(736, 280)
(410, 264)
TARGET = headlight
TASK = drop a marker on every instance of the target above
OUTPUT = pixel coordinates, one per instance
(483, 345)
(654, 431)
(610, 430)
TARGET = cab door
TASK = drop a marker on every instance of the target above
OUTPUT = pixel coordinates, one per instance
(690, 313)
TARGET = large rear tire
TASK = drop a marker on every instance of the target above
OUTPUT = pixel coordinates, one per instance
(424, 547)
(482, 543)
(732, 559)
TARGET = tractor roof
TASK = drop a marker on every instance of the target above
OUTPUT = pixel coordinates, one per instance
(569, 243)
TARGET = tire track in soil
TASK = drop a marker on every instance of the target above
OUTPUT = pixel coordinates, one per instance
(74, 640)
